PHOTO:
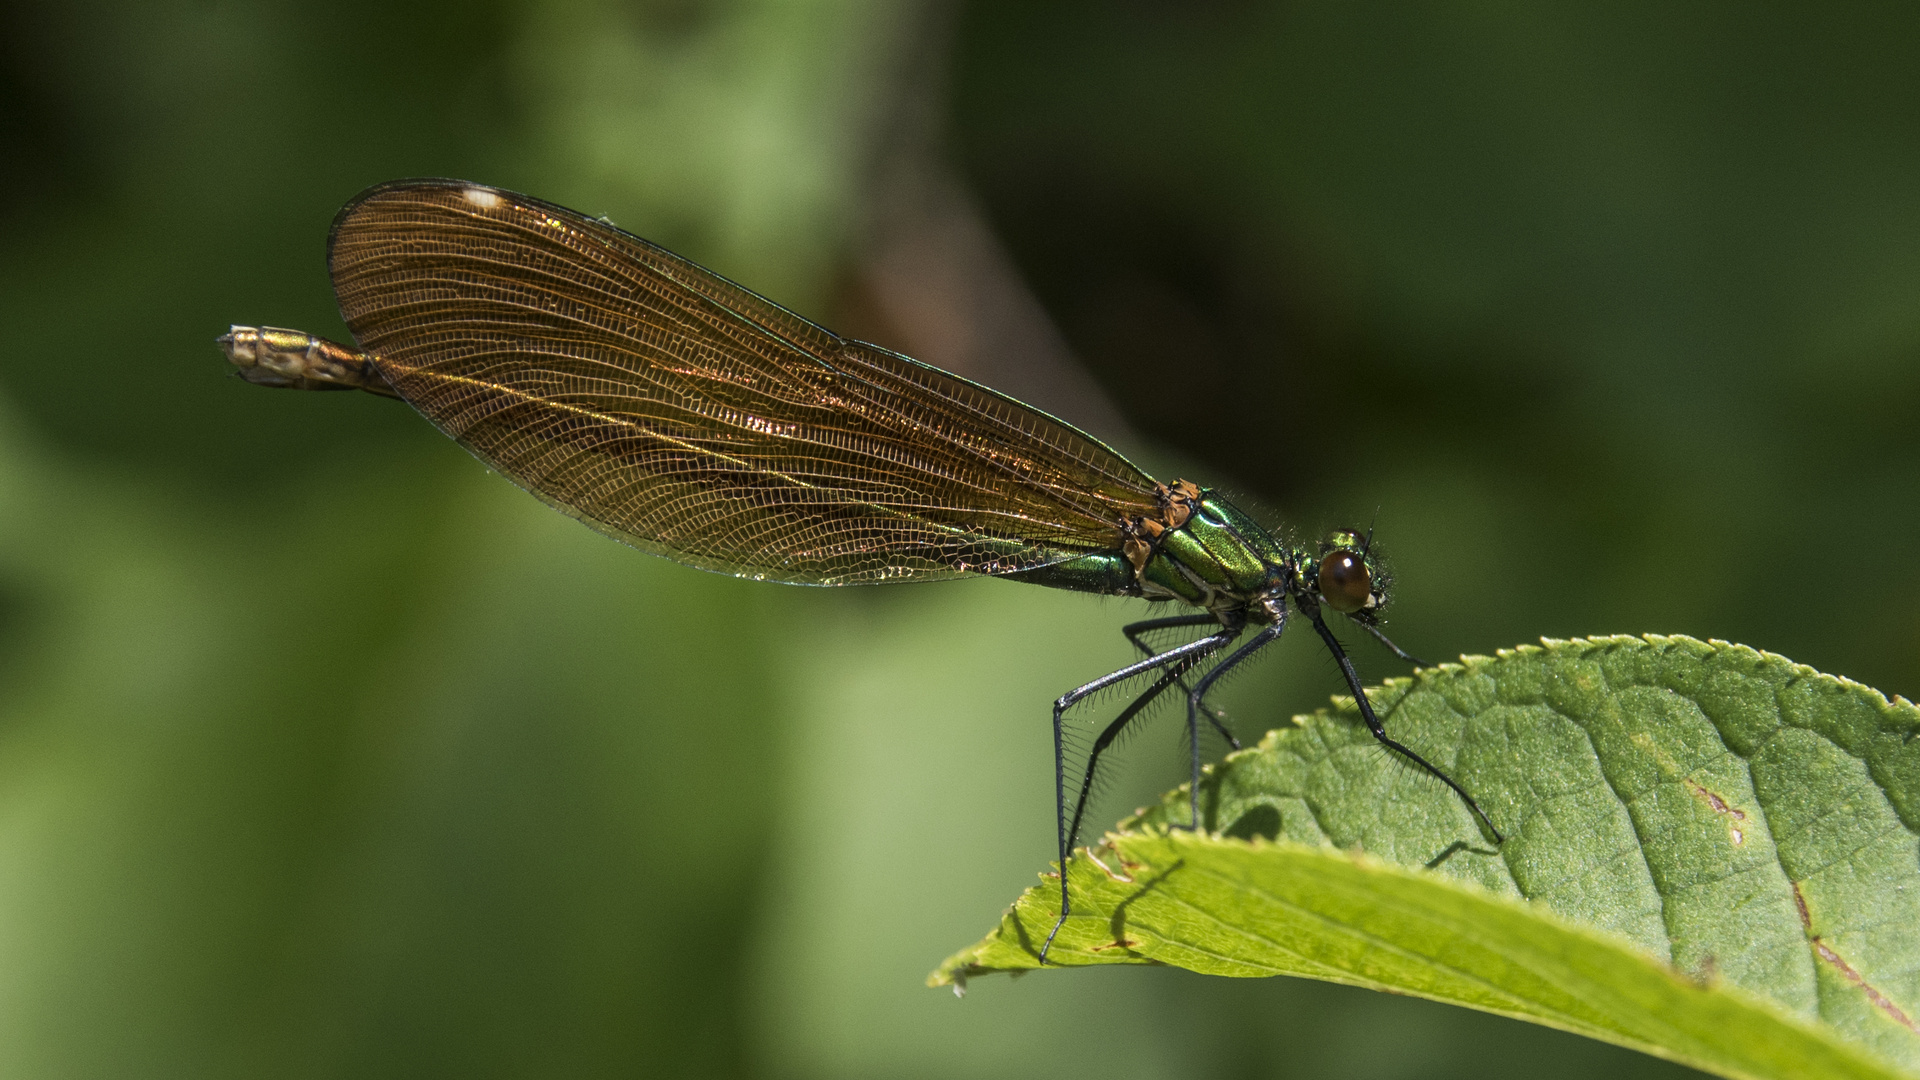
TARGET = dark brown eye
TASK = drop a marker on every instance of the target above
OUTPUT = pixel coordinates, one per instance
(1345, 583)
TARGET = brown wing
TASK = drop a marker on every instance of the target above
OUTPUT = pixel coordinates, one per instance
(675, 410)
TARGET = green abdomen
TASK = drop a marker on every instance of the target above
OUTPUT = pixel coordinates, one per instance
(1219, 558)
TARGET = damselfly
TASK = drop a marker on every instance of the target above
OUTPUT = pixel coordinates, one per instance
(676, 411)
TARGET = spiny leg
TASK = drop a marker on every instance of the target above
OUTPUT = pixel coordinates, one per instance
(1180, 657)
(1379, 730)
(1107, 736)
(1133, 632)
(1196, 700)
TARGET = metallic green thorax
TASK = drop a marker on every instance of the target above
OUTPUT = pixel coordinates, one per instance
(1218, 558)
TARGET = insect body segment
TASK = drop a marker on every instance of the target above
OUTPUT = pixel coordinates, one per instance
(296, 360)
(1217, 558)
(1196, 548)
(1140, 535)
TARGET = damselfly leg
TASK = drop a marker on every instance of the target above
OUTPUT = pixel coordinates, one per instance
(1379, 730)
(1177, 662)
(1196, 699)
(1134, 633)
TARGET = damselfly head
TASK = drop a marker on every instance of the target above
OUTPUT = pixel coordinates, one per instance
(1347, 577)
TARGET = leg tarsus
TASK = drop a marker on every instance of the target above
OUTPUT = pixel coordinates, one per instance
(1057, 923)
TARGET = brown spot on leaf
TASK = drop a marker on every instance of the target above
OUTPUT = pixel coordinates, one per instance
(1880, 1000)
(1123, 943)
(1720, 806)
(1105, 869)
(1708, 971)
(1826, 952)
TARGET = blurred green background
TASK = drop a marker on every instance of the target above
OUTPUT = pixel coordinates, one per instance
(323, 752)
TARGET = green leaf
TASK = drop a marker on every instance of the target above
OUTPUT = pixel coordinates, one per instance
(1712, 854)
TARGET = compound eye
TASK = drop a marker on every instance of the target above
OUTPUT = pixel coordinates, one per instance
(1345, 583)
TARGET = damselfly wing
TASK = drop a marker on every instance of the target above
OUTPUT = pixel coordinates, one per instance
(683, 414)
